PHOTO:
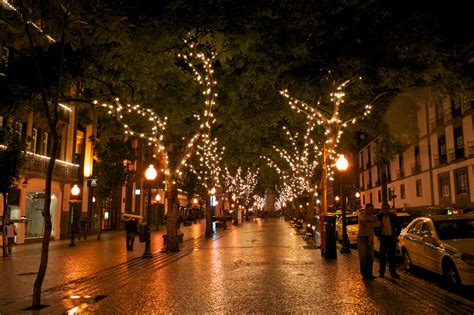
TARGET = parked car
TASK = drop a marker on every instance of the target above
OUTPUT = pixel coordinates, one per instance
(443, 244)
(352, 221)
(404, 219)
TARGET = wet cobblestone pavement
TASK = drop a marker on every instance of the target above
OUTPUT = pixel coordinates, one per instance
(262, 266)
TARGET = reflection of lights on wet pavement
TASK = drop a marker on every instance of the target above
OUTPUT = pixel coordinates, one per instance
(78, 309)
(85, 301)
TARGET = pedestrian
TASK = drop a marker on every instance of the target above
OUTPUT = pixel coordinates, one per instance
(365, 240)
(131, 227)
(83, 228)
(11, 233)
(387, 233)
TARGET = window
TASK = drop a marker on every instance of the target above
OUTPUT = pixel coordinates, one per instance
(426, 230)
(461, 182)
(419, 188)
(442, 152)
(402, 191)
(380, 196)
(415, 227)
(444, 185)
(458, 143)
(370, 198)
(363, 200)
(361, 162)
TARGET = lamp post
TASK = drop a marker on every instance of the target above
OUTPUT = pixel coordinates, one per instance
(357, 195)
(157, 200)
(342, 164)
(75, 191)
(150, 175)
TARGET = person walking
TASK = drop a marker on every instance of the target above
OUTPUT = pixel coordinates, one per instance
(388, 233)
(11, 233)
(83, 228)
(365, 241)
(131, 227)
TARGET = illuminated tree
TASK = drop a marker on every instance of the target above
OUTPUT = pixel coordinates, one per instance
(332, 125)
(201, 66)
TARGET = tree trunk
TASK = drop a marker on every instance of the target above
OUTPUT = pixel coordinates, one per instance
(310, 210)
(47, 224)
(4, 221)
(224, 219)
(209, 231)
(172, 242)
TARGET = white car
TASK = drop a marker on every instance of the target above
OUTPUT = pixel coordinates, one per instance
(443, 244)
(352, 228)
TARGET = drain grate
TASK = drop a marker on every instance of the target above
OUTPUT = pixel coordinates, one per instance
(310, 247)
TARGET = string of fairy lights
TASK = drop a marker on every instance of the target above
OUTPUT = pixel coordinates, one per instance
(302, 161)
(36, 26)
(331, 122)
(243, 183)
(202, 69)
(209, 157)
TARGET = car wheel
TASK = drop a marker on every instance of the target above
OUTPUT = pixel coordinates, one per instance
(451, 276)
(407, 260)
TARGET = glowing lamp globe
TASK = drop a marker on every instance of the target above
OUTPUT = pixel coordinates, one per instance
(75, 191)
(151, 172)
(342, 164)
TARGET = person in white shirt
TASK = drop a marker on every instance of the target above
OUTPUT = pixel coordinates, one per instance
(365, 241)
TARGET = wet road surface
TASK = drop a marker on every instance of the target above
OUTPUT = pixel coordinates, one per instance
(262, 266)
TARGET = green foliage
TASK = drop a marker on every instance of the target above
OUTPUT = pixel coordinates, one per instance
(12, 157)
(112, 168)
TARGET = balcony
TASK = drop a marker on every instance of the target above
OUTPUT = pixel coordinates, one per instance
(416, 168)
(451, 155)
(467, 106)
(400, 174)
(448, 116)
(436, 122)
(470, 148)
(37, 165)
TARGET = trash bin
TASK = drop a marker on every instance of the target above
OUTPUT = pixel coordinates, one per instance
(330, 251)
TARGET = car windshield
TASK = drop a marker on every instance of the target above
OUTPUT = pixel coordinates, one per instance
(455, 229)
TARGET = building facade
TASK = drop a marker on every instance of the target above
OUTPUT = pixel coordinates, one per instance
(437, 170)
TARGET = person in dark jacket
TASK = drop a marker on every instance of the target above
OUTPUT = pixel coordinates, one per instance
(131, 227)
(388, 233)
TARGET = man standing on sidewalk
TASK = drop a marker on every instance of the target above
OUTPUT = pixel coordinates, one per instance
(388, 233)
(131, 228)
(365, 241)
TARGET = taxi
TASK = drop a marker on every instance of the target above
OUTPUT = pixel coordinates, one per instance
(352, 221)
(443, 244)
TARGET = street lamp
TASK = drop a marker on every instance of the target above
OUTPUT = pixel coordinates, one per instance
(150, 175)
(342, 165)
(75, 191)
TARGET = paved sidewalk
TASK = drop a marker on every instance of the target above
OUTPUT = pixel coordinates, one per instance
(262, 266)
